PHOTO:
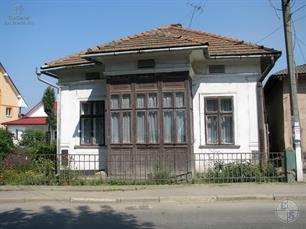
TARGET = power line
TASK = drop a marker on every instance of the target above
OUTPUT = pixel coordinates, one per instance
(297, 42)
(278, 28)
(275, 9)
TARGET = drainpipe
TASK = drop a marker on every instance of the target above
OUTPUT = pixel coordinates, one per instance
(58, 111)
(263, 137)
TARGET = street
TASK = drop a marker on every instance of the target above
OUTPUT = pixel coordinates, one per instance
(226, 214)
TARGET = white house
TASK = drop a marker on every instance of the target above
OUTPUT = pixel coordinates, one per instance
(35, 119)
(169, 94)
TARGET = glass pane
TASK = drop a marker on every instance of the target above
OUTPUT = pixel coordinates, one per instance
(212, 128)
(226, 105)
(167, 100)
(98, 131)
(98, 108)
(211, 105)
(140, 125)
(179, 99)
(140, 101)
(180, 127)
(115, 101)
(227, 130)
(168, 117)
(85, 130)
(85, 108)
(126, 127)
(126, 101)
(115, 127)
(152, 100)
(153, 127)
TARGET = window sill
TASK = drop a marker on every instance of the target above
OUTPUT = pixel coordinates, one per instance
(89, 147)
(219, 147)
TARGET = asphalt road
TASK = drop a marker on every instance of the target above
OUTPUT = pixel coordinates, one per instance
(240, 214)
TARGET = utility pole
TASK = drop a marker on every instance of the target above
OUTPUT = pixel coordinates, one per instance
(295, 120)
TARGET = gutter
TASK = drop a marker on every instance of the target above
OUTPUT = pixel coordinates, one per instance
(141, 51)
(58, 111)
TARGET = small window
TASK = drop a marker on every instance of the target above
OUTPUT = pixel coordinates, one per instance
(216, 68)
(92, 76)
(8, 112)
(150, 63)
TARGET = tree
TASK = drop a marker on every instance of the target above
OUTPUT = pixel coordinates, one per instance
(49, 101)
(6, 143)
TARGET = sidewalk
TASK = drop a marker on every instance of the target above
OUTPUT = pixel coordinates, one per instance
(154, 193)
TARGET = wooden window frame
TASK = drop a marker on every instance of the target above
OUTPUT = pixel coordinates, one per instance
(219, 114)
(120, 111)
(174, 109)
(91, 116)
(146, 109)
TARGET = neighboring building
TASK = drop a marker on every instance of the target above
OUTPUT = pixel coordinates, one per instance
(168, 94)
(11, 100)
(277, 100)
(35, 119)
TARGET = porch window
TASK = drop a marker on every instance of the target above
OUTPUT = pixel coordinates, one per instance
(174, 117)
(219, 120)
(147, 130)
(121, 118)
(92, 124)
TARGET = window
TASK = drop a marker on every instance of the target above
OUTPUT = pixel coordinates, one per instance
(216, 68)
(219, 125)
(121, 120)
(8, 112)
(174, 117)
(92, 123)
(147, 130)
(142, 117)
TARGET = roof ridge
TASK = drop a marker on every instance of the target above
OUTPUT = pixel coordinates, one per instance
(238, 41)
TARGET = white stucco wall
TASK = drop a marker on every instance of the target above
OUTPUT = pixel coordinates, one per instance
(71, 96)
(239, 82)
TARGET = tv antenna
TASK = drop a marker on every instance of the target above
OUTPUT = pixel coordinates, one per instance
(197, 8)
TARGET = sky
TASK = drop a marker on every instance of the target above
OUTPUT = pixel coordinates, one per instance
(34, 32)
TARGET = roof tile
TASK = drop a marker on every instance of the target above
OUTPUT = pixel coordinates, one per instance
(169, 36)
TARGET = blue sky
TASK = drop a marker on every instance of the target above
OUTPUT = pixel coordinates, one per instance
(50, 29)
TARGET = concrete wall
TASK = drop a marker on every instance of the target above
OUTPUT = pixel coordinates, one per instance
(302, 112)
(72, 95)
(239, 81)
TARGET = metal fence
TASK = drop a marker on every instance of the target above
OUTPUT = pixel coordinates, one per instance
(90, 169)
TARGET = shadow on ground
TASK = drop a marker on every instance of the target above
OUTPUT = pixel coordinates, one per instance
(83, 217)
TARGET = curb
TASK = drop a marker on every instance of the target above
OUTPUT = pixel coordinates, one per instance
(207, 199)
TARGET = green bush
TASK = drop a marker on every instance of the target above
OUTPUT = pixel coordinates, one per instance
(6, 143)
(31, 138)
(245, 171)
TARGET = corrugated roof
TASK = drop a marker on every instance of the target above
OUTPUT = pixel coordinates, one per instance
(173, 35)
(299, 69)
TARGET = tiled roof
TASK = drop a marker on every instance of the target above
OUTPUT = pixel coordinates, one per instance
(169, 36)
(300, 69)
(28, 121)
